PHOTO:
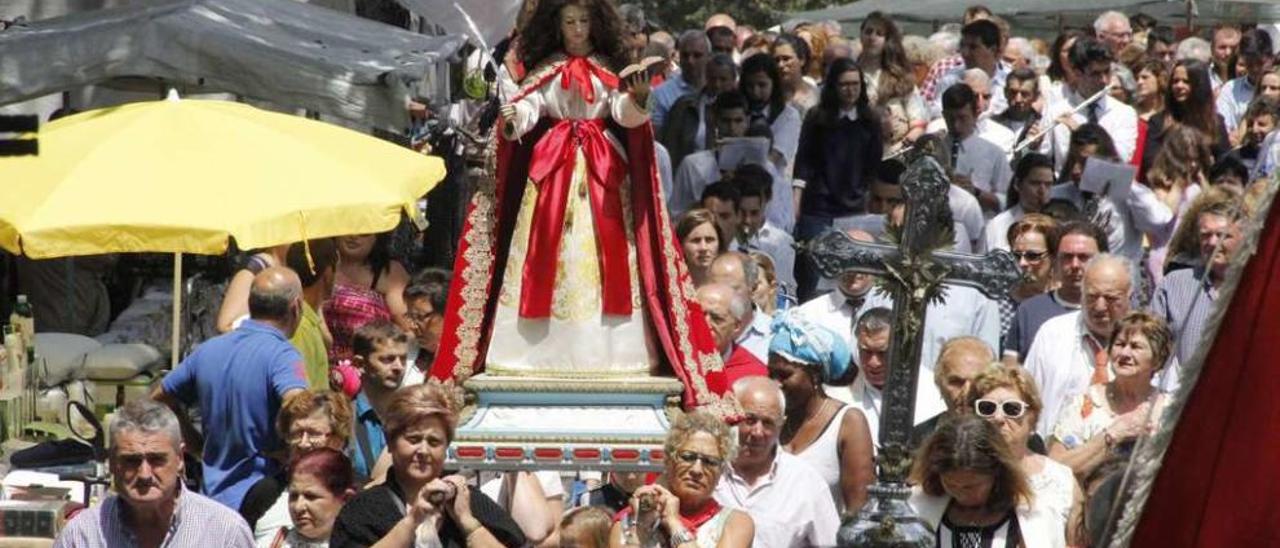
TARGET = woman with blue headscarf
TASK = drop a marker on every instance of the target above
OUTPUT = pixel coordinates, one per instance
(829, 435)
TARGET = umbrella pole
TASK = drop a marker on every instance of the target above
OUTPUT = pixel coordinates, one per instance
(177, 310)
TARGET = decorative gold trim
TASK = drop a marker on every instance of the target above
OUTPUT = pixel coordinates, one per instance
(551, 373)
(644, 385)
(493, 439)
(475, 277)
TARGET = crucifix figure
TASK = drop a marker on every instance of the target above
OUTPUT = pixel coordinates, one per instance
(913, 273)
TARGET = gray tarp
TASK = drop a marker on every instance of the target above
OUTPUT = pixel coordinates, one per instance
(289, 53)
(1046, 13)
(493, 19)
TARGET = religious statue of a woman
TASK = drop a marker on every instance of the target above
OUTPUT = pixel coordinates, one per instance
(568, 266)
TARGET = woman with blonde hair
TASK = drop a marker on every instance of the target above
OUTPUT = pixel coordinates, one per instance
(1008, 397)
(1109, 418)
(681, 511)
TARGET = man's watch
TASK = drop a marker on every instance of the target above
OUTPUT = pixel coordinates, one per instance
(682, 537)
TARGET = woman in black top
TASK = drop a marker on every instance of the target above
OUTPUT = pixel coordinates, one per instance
(415, 500)
(1187, 101)
(840, 150)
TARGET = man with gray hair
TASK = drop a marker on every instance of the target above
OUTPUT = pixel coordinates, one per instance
(782, 493)
(727, 314)
(872, 332)
(739, 272)
(694, 48)
(1069, 352)
(238, 381)
(1113, 28)
(149, 505)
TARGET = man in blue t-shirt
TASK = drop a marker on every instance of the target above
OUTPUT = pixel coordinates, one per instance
(380, 351)
(238, 380)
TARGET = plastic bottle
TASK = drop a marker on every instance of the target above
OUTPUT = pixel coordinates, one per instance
(24, 324)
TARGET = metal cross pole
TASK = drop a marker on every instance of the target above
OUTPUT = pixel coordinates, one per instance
(913, 272)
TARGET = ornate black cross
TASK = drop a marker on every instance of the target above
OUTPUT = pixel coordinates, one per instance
(912, 272)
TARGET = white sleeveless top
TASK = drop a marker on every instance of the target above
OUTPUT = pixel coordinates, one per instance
(1054, 489)
(824, 455)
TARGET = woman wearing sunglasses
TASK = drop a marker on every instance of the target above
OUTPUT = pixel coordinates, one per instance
(1033, 240)
(683, 513)
(1007, 397)
(972, 491)
(832, 437)
(1108, 418)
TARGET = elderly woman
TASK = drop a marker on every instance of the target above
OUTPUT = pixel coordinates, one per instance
(701, 240)
(831, 436)
(307, 420)
(320, 482)
(683, 512)
(1108, 418)
(417, 504)
(1007, 396)
(972, 491)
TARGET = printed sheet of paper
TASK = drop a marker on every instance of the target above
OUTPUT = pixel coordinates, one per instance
(1109, 178)
(735, 151)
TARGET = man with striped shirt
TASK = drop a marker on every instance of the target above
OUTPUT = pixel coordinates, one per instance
(150, 506)
(1185, 298)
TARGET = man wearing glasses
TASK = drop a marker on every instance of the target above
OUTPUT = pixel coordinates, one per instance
(785, 497)
(1069, 352)
(1113, 29)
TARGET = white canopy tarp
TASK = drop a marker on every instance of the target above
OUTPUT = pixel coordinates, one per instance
(286, 52)
(1046, 13)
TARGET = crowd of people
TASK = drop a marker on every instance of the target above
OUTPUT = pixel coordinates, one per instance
(320, 427)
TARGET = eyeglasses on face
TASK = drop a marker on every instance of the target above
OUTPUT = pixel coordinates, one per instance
(308, 435)
(708, 462)
(1009, 408)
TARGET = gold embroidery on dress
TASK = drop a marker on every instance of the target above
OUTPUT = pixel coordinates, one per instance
(475, 278)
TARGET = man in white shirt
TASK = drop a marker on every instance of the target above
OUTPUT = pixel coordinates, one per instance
(979, 165)
(1256, 52)
(965, 312)
(1126, 222)
(1032, 178)
(1070, 351)
(759, 233)
(872, 333)
(739, 272)
(1226, 39)
(786, 498)
(987, 128)
(1092, 62)
(981, 45)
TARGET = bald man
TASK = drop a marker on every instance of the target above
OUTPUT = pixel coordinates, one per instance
(785, 497)
(959, 362)
(966, 312)
(238, 380)
(727, 313)
(1069, 351)
(738, 271)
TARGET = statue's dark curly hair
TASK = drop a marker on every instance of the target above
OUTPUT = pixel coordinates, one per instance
(541, 37)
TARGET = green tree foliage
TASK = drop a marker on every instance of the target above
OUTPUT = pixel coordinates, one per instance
(687, 14)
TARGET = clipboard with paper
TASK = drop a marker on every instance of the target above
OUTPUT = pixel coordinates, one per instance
(735, 151)
(1107, 178)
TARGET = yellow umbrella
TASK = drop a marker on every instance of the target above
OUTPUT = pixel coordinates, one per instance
(184, 176)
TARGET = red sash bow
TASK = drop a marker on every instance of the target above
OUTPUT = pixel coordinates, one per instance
(577, 72)
(552, 167)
